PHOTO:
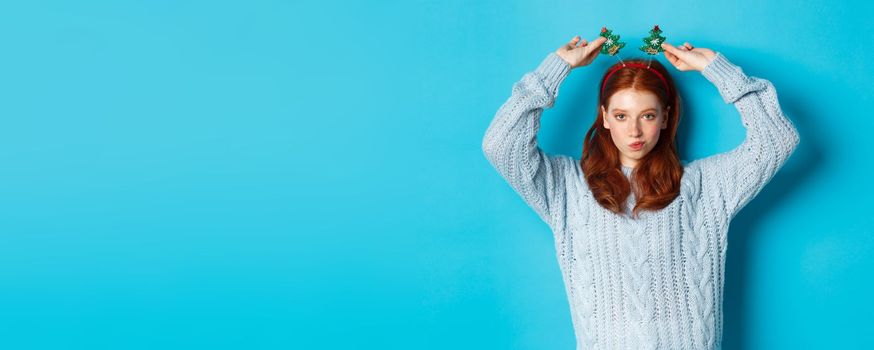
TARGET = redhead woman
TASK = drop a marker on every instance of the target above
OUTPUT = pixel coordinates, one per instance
(640, 236)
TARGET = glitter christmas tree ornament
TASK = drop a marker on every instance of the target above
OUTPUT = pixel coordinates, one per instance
(612, 45)
(652, 45)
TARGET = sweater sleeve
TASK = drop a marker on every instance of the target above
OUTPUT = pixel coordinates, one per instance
(730, 180)
(510, 142)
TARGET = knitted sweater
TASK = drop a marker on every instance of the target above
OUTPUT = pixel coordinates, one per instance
(654, 282)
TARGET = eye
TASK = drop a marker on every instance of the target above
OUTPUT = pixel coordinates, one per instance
(650, 115)
(620, 116)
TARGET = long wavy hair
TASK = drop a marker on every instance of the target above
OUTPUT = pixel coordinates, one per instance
(656, 178)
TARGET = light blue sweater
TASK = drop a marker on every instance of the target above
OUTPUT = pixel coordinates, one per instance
(655, 282)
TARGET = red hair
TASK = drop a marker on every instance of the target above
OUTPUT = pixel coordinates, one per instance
(656, 178)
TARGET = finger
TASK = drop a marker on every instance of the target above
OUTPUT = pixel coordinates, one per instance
(668, 47)
(592, 52)
(600, 40)
(571, 44)
(673, 59)
(678, 52)
(687, 45)
(595, 46)
(584, 42)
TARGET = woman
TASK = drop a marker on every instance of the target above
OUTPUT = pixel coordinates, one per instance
(650, 277)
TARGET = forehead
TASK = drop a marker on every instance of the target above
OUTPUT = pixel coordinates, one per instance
(633, 100)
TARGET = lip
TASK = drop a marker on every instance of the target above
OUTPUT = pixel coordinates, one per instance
(636, 146)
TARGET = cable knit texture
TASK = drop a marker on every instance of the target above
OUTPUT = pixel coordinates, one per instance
(654, 282)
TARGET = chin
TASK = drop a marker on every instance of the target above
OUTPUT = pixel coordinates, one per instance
(638, 155)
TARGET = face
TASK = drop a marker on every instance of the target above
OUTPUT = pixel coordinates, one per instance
(634, 117)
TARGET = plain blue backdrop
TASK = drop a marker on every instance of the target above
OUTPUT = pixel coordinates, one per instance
(309, 175)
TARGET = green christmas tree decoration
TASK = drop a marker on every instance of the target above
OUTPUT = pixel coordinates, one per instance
(653, 44)
(612, 45)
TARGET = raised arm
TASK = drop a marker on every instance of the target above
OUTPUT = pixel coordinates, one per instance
(510, 143)
(731, 179)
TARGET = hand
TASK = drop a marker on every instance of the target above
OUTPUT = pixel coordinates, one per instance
(686, 57)
(582, 55)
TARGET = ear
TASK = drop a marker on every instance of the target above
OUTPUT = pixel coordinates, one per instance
(604, 117)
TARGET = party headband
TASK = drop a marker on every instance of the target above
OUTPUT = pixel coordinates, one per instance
(638, 65)
(652, 46)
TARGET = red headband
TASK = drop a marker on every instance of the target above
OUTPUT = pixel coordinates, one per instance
(639, 65)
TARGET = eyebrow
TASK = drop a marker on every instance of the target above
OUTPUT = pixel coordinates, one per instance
(645, 110)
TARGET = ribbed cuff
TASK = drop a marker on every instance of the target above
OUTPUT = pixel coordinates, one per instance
(553, 70)
(721, 70)
(728, 77)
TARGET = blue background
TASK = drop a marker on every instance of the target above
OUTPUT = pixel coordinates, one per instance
(309, 175)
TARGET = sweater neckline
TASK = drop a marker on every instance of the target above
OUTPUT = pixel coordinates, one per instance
(626, 170)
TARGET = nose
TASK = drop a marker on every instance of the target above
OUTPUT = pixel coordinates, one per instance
(634, 128)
